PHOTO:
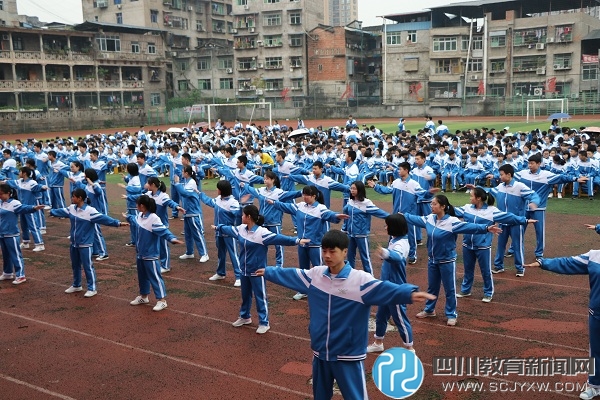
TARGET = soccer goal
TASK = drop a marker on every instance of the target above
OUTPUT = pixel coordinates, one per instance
(545, 107)
(230, 111)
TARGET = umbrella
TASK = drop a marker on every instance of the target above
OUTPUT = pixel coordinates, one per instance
(591, 129)
(299, 132)
(200, 125)
(175, 130)
(558, 116)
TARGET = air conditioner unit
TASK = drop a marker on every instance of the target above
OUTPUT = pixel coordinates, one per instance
(190, 8)
(261, 65)
(539, 46)
(173, 54)
(541, 71)
(473, 77)
(575, 95)
(558, 66)
(550, 40)
(234, 31)
(246, 7)
(5, 37)
(119, 6)
(538, 91)
(251, 30)
(230, 70)
(259, 92)
(102, 4)
(260, 43)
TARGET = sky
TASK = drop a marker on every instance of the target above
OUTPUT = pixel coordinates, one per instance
(369, 10)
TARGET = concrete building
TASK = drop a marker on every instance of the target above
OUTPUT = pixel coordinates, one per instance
(198, 39)
(489, 56)
(8, 13)
(340, 12)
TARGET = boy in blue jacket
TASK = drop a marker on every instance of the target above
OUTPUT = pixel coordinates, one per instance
(339, 301)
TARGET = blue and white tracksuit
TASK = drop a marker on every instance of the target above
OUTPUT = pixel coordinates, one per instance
(27, 191)
(133, 190)
(405, 194)
(324, 183)
(541, 183)
(478, 247)
(272, 215)
(56, 184)
(426, 178)
(513, 198)
(339, 308)
(253, 256)
(588, 169)
(441, 250)
(100, 167)
(192, 219)
(97, 199)
(393, 270)
(358, 227)
(175, 167)
(227, 212)
(585, 264)
(9, 236)
(83, 220)
(163, 201)
(451, 169)
(149, 232)
(283, 171)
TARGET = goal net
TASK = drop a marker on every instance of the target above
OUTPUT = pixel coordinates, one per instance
(545, 107)
(229, 112)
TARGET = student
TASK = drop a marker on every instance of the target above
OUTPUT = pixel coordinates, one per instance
(56, 181)
(442, 231)
(253, 240)
(393, 270)
(360, 209)
(227, 212)
(324, 183)
(132, 190)
(584, 264)
(83, 218)
(13, 264)
(149, 232)
(96, 198)
(334, 313)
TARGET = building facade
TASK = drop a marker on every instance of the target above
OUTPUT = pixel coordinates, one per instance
(340, 12)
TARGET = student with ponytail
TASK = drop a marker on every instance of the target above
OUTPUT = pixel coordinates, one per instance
(97, 199)
(132, 190)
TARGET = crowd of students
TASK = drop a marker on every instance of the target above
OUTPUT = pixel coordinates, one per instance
(518, 172)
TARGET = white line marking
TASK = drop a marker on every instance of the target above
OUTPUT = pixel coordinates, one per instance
(39, 389)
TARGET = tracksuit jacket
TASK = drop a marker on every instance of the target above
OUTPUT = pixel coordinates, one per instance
(83, 220)
(149, 232)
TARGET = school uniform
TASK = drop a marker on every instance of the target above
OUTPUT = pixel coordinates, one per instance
(27, 193)
(192, 219)
(9, 236)
(163, 202)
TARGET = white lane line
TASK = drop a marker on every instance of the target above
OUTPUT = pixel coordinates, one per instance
(34, 387)
(160, 355)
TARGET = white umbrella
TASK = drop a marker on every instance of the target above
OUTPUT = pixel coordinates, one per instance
(299, 132)
(175, 130)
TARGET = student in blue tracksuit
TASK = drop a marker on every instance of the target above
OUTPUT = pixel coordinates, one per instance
(97, 199)
(192, 219)
(478, 247)
(227, 212)
(312, 217)
(83, 218)
(149, 232)
(157, 190)
(339, 302)
(584, 264)
(442, 231)
(273, 216)
(132, 189)
(10, 208)
(56, 181)
(393, 270)
(253, 240)
(324, 183)
(360, 210)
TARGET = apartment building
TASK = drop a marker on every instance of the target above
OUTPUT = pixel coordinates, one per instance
(340, 12)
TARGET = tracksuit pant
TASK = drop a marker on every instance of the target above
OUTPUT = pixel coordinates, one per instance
(594, 328)
(453, 180)
(149, 275)
(515, 233)
(165, 256)
(484, 258)
(99, 242)
(587, 186)
(12, 257)
(29, 225)
(227, 244)
(398, 314)
(81, 257)
(540, 230)
(176, 198)
(57, 197)
(194, 233)
(412, 241)
(349, 375)
(438, 274)
(257, 286)
(278, 249)
(132, 228)
(362, 243)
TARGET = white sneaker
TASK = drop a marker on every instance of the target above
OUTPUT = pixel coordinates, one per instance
(102, 258)
(46, 207)
(39, 247)
(299, 296)
(589, 393)
(204, 258)
(6, 277)
(237, 283)
(186, 256)
(164, 270)
(24, 245)
(160, 305)
(262, 329)
(242, 321)
(375, 348)
(73, 289)
(560, 195)
(90, 293)
(42, 231)
(216, 277)
(550, 195)
(139, 300)
(20, 280)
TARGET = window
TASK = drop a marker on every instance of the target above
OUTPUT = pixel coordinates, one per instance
(564, 33)
(477, 42)
(155, 99)
(225, 63)
(243, 84)
(528, 63)
(17, 43)
(498, 90)
(298, 103)
(393, 38)
(562, 61)
(272, 40)
(203, 63)
(117, 1)
(443, 66)
(295, 18)
(272, 19)
(135, 47)
(119, 18)
(218, 26)
(109, 43)
(530, 37)
(444, 44)
(320, 67)
(242, 2)
(154, 16)
(182, 85)
(246, 64)
(295, 62)
(199, 26)
(296, 40)
(498, 41)
(218, 8)
(412, 37)
(273, 84)
(464, 43)
(226, 83)
(476, 64)
(271, 1)
(589, 72)
(1, 5)
(204, 84)
(273, 63)
(182, 65)
(296, 83)
(151, 48)
(498, 66)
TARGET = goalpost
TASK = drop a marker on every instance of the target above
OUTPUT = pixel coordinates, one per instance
(209, 111)
(551, 106)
